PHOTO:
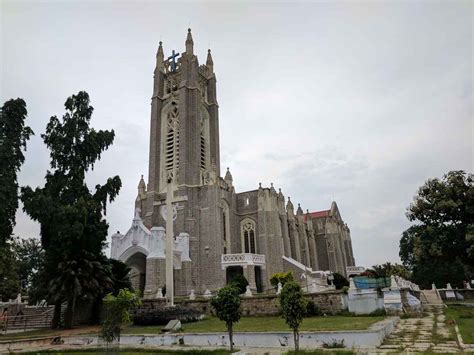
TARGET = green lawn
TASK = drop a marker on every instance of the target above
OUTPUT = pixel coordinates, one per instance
(267, 324)
(464, 317)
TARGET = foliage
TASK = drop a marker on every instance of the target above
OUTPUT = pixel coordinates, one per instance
(117, 313)
(13, 137)
(163, 315)
(226, 305)
(312, 309)
(120, 276)
(29, 257)
(73, 230)
(239, 282)
(9, 280)
(282, 277)
(439, 248)
(293, 308)
(339, 281)
(388, 269)
(19, 263)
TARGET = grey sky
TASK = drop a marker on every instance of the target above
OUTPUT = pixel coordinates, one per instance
(359, 102)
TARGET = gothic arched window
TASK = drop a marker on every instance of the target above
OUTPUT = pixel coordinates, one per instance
(204, 140)
(247, 227)
(171, 141)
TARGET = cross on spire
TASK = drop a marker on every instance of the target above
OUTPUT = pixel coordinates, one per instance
(172, 57)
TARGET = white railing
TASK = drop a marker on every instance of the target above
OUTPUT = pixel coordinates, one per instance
(243, 259)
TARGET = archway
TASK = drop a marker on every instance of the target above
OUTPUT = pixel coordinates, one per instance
(137, 264)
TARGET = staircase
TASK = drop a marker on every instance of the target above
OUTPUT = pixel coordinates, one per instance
(32, 318)
(431, 297)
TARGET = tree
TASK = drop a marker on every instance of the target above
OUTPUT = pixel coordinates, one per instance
(293, 308)
(281, 277)
(340, 281)
(9, 280)
(117, 313)
(226, 304)
(439, 247)
(239, 282)
(29, 257)
(388, 269)
(13, 137)
(73, 230)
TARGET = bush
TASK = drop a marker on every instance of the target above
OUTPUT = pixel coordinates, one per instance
(312, 309)
(282, 277)
(164, 315)
(340, 281)
(239, 282)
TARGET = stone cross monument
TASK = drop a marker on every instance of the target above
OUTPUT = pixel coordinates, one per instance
(169, 243)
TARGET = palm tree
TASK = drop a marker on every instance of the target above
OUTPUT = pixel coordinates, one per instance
(79, 277)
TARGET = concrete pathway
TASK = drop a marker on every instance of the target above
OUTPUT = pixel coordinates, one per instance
(422, 334)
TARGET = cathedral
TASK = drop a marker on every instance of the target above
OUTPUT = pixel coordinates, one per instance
(219, 232)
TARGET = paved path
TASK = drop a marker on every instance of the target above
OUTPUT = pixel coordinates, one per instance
(421, 334)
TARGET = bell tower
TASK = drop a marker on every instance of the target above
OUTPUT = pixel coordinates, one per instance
(184, 125)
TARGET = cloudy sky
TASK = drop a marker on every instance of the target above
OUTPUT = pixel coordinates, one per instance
(358, 102)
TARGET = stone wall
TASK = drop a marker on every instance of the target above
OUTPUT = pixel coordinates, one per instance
(468, 294)
(329, 303)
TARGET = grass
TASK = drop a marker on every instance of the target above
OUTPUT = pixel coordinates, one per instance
(464, 318)
(39, 333)
(266, 324)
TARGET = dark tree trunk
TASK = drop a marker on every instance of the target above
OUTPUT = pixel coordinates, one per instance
(56, 321)
(231, 337)
(68, 314)
(296, 337)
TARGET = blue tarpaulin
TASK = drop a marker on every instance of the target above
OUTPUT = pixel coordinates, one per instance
(365, 282)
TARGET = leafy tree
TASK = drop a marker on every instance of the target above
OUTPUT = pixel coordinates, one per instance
(388, 269)
(439, 248)
(13, 137)
(29, 257)
(293, 308)
(339, 281)
(9, 280)
(73, 230)
(117, 313)
(240, 282)
(226, 304)
(281, 277)
(120, 276)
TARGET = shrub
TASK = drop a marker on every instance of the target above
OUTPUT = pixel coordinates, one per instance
(164, 315)
(340, 281)
(239, 282)
(312, 309)
(117, 313)
(282, 277)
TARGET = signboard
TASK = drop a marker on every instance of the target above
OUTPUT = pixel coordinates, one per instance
(354, 270)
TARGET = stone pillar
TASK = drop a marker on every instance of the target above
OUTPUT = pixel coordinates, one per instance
(155, 276)
(249, 273)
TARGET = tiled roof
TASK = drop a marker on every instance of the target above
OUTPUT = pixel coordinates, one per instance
(317, 214)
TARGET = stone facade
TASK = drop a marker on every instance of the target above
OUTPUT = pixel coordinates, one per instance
(226, 232)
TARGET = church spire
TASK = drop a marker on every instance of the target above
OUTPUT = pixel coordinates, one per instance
(159, 56)
(209, 62)
(189, 43)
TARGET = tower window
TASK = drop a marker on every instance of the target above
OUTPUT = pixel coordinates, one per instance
(248, 236)
(171, 148)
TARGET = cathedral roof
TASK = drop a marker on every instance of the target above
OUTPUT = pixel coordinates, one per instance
(317, 214)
